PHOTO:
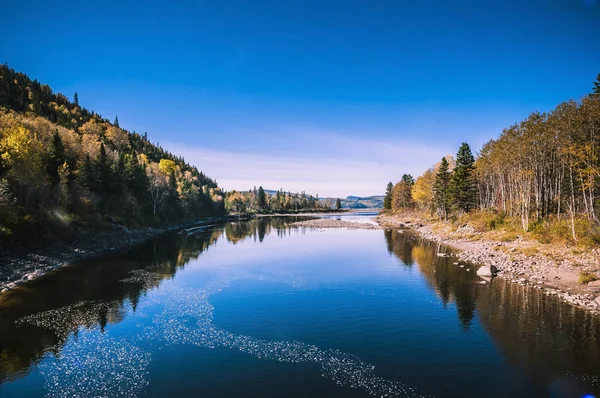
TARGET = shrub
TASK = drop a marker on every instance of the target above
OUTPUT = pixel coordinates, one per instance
(587, 277)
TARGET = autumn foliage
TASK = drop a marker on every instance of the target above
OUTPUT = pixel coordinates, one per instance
(62, 164)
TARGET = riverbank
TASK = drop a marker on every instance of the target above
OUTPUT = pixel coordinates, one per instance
(556, 269)
(19, 265)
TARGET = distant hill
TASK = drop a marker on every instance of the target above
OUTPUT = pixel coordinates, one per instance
(357, 202)
(350, 202)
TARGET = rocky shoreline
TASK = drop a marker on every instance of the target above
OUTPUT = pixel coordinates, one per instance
(19, 266)
(555, 271)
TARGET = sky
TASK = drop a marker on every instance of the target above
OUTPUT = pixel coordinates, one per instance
(330, 97)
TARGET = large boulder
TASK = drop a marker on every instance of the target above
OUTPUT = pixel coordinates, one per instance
(594, 284)
(485, 271)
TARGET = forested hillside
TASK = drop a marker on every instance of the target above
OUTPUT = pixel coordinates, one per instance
(61, 164)
(540, 175)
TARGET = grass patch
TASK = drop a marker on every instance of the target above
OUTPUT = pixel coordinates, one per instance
(482, 221)
(587, 277)
(529, 250)
(508, 237)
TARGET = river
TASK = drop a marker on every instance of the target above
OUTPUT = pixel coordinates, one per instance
(264, 309)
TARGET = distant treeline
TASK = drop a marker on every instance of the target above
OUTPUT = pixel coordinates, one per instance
(258, 201)
(62, 164)
(543, 169)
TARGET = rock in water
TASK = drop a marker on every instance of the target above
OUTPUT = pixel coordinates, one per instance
(485, 271)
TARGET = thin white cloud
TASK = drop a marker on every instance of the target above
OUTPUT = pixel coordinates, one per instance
(323, 163)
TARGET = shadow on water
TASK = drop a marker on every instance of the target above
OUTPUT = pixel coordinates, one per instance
(97, 280)
(548, 340)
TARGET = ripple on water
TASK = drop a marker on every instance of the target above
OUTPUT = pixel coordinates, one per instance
(95, 365)
(65, 320)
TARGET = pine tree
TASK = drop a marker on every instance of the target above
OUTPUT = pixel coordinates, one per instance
(387, 200)
(135, 177)
(173, 195)
(262, 198)
(56, 158)
(103, 172)
(76, 99)
(338, 204)
(464, 188)
(441, 189)
(86, 174)
(596, 90)
(407, 183)
(119, 174)
(116, 123)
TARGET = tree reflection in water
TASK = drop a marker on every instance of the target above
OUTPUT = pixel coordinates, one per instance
(545, 337)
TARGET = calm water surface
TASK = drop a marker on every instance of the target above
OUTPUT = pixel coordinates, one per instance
(262, 309)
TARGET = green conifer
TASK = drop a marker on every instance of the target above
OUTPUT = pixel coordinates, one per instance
(56, 157)
(387, 200)
(441, 190)
(464, 188)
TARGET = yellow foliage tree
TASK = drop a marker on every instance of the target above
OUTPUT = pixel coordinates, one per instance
(92, 128)
(90, 145)
(142, 159)
(118, 137)
(22, 152)
(422, 190)
(167, 166)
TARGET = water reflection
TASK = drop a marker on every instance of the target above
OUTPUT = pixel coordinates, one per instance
(544, 337)
(451, 282)
(95, 282)
(260, 227)
(546, 340)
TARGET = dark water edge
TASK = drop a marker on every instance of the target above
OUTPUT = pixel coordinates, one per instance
(553, 346)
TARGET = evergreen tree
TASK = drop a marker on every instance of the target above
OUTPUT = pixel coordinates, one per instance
(173, 196)
(441, 189)
(56, 157)
(387, 200)
(406, 184)
(86, 174)
(135, 177)
(119, 174)
(116, 123)
(262, 198)
(596, 90)
(464, 188)
(103, 172)
(338, 204)
(76, 99)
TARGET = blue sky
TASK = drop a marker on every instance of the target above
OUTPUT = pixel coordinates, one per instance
(331, 97)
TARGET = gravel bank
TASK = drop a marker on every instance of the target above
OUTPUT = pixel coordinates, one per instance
(554, 270)
(324, 223)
